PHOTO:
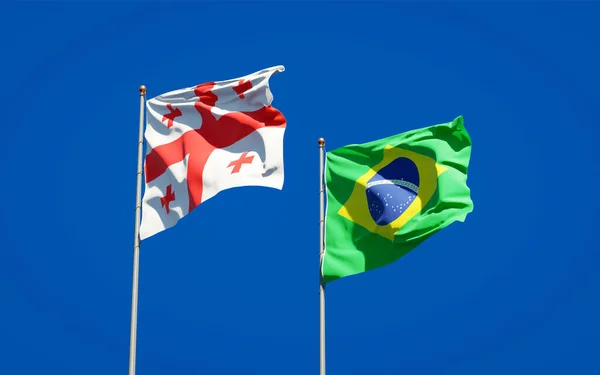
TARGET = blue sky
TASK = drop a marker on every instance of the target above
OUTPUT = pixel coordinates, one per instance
(233, 288)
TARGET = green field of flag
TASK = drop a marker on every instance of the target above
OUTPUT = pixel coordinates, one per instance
(386, 197)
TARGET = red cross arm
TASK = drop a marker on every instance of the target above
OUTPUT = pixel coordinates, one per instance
(234, 126)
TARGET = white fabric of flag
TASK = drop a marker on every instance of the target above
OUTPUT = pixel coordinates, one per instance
(208, 138)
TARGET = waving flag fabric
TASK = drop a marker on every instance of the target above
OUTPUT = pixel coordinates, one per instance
(386, 197)
(205, 139)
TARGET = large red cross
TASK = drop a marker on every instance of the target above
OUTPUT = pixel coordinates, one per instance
(237, 164)
(168, 198)
(200, 143)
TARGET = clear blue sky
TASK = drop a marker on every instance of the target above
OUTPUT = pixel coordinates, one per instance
(233, 288)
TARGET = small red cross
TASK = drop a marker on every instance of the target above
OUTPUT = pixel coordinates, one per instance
(242, 87)
(168, 198)
(171, 115)
(237, 164)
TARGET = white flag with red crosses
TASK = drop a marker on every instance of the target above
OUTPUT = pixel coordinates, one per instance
(208, 138)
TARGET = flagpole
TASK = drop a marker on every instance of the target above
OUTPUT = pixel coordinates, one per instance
(136, 239)
(321, 243)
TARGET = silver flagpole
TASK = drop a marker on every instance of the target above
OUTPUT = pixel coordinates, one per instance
(321, 242)
(136, 238)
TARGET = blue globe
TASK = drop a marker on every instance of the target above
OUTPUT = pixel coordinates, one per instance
(392, 190)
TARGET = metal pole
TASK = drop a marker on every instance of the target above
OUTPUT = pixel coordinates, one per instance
(321, 243)
(136, 238)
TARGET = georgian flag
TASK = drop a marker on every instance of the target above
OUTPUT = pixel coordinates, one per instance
(208, 138)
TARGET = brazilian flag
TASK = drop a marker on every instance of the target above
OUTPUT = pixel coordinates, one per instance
(386, 197)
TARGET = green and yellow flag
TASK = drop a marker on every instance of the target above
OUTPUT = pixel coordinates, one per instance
(386, 197)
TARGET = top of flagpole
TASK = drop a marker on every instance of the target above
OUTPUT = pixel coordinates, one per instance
(142, 90)
(321, 142)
